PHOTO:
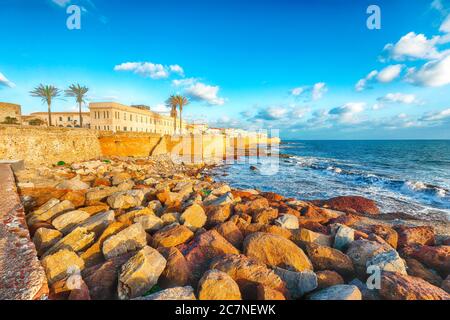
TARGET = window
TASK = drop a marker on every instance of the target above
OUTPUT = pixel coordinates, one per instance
(124, 128)
(60, 119)
(125, 118)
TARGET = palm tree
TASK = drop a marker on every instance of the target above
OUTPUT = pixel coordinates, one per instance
(181, 102)
(79, 92)
(47, 94)
(172, 104)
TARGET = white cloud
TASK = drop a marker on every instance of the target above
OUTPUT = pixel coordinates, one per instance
(5, 82)
(390, 73)
(184, 82)
(203, 92)
(414, 46)
(317, 91)
(160, 108)
(61, 3)
(432, 74)
(399, 98)
(149, 69)
(437, 116)
(347, 112)
(272, 113)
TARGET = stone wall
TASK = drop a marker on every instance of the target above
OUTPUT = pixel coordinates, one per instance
(42, 145)
(39, 145)
(10, 110)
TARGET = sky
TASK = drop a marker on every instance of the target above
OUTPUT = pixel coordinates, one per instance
(310, 69)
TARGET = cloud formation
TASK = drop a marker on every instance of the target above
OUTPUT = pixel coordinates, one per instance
(149, 69)
(199, 91)
(316, 91)
(4, 82)
(386, 75)
(434, 73)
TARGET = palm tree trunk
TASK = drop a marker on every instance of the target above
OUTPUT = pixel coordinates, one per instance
(181, 121)
(81, 118)
(174, 125)
(49, 114)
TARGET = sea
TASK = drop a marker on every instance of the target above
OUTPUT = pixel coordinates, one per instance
(407, 176)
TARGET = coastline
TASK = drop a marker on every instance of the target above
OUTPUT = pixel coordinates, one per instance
(123, 211)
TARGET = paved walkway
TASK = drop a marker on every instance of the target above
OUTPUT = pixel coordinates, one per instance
(21, 274)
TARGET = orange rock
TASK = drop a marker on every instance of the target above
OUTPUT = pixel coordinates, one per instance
(176, 273)
(101, 182)
(328, 278)
(78, 198)
(277, 251)
(172, 236)
(218, 285)
(312, 225)
(203, 249)
(437, 258)
(285, 233)
(265, 216)
(395, 286)
(271, 196)
(317, 214)
(95, 208)
(42, 195)
(350, 204)
(415, 235)
(40, 224)
(231, 232)
(251, 206)
(346, 219)
(218, 214)
(326, 258)
(266, 293)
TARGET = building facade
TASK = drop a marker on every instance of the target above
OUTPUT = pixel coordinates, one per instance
(10, 111)
(61, 119)
(116, 117)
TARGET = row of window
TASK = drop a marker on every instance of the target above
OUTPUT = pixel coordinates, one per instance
(131, 117)
(131, 129)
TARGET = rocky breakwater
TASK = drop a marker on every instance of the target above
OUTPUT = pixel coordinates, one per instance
(149, 229)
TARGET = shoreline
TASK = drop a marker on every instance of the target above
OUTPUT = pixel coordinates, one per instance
(123, 212)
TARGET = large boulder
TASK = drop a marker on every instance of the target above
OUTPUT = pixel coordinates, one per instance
(437, 258)
(45, 238)
(267, 293)
(288, 221)
(338, 292)
(328, 278)
(351, 204)
(303, 236)
(218, 285)
(130, 239)
(98, 222)
(140, 273)
(298, 283)
(59, 265)
(205, 247)
(54, 211)
(193, 217)
(126, 199)
(417, 269)
(326, 258)
(218, 214)
(361, 251)
(343, 236)
(171, 236)
(97, 194)
(276, 251)
(67, 221)
(423, 235)
(248, 273)
(77, 240)
(73, 184)
(150, 222)
(388, 261)
(446, 284)
(396, 286)
(231, 232)
(176, 273)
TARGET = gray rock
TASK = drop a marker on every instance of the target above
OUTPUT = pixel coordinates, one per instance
(227, 198)
(178, 293)
(338, 292)
(298, 283)
(67, 221)
(388, 261)
(344, 236)
(287, 221)
(99, 222)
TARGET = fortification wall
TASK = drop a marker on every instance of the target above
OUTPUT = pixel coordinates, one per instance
(10, 110)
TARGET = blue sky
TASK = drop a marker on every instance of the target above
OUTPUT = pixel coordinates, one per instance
(309, 68)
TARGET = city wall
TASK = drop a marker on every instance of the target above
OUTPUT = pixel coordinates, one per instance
(41, 145)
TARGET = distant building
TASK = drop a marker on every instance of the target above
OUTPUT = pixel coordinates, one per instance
(197, 128)
(60, 119)
(10, 111)
(112, 116)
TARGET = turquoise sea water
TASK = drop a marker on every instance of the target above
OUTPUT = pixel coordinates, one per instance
(402, 176)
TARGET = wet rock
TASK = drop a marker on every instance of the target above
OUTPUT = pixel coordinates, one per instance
(338, 292)
(205, 247)
(276, 251)
(178, 293)
(415, 235)
(172, 235)
(351, 204)
(217, 285)
(417, 269)
(67, 221)
(328, 278)
(395, 286)
(388, 261)
(298, 283)
(59, 265)
(326, 258)
(231, 233)
(193, 217)
(130, 239)
(126, 199)
(176, 273)
(77, 240)
(140, 273)
(288, 221)
(361, 251)
(248, 273)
